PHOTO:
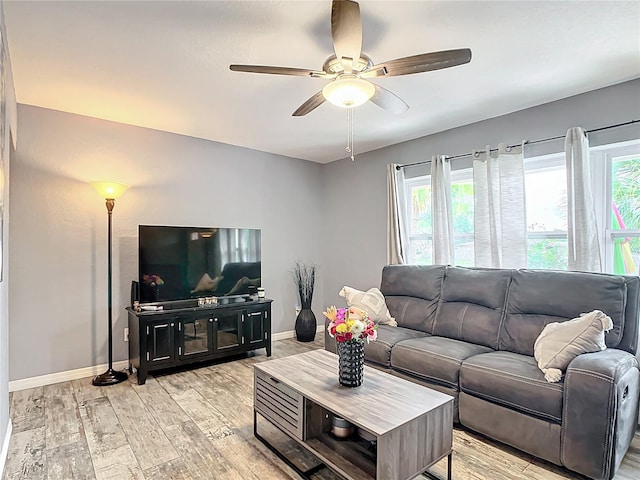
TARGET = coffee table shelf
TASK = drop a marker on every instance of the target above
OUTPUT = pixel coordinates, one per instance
(411, 424)
(330, 451)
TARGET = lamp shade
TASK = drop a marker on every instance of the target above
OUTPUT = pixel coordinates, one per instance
(109, 189)
(348, 91)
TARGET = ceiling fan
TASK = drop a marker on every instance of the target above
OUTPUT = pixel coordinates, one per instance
(349, 69)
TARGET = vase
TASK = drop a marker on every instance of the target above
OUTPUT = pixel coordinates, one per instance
(351, 363)
(306, 325)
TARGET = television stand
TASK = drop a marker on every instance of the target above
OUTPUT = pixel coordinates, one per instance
(183, 334)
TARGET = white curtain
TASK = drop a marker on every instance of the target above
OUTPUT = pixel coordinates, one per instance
(500, 227)
(584, 248)
(443, 248)
(238, 245)
(396, 213)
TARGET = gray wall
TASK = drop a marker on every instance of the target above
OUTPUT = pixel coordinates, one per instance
(10, 125)
(333, 215)
(356, 258)
(59, 233)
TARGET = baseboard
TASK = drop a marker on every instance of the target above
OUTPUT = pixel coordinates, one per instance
(58, 377)
(5, 448)
(291, 334)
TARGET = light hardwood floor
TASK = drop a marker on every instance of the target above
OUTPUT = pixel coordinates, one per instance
(198, 424)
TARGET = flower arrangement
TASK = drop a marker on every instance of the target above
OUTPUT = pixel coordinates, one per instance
(350, 324)
(153, 280)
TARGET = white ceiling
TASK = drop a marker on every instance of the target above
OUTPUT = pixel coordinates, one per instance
(165, 64)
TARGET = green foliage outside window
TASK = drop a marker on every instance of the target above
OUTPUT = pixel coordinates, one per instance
(626, 190)
(546, 253)
(625, 183)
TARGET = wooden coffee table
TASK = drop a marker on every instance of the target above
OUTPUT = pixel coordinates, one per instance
(408, 427)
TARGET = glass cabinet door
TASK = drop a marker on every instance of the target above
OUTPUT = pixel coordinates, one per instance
(195, 336)
(228, 331)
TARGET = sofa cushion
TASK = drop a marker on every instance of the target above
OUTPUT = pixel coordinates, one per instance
(436, 359)
(537, 298)
(514, 381)
(380, 351)
(372, 301)
(472, 304)
(412, 293)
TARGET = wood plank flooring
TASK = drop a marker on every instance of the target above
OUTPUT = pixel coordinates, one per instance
(198, 425)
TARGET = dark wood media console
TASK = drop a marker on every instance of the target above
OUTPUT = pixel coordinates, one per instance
(181, 334)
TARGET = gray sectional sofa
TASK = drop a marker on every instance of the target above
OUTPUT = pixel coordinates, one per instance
(471, 332)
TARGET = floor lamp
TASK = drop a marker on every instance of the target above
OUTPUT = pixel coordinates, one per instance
(109, 191)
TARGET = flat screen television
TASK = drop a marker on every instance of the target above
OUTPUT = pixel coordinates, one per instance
(178, 263)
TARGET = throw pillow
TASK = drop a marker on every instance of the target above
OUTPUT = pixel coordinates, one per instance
(206, 283)
(559, 343)
(372, 302)
(242, 285)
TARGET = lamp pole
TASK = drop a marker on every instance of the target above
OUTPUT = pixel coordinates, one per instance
(110, 377)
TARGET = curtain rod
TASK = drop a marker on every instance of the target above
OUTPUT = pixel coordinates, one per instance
(526, 142)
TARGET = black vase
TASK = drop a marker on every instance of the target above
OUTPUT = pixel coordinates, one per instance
(351, 363)
(306, 325)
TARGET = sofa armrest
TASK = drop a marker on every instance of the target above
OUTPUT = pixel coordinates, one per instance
(600, 412)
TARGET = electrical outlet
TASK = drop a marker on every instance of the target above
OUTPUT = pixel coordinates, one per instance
(126, 334)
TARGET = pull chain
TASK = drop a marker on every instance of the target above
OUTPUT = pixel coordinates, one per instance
(349, 148)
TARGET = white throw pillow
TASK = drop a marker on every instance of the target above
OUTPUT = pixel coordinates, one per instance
(372, 302)
(206, 283)
(559, 343)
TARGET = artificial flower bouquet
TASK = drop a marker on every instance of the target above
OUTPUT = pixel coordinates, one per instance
(350, 324)
(152, 280)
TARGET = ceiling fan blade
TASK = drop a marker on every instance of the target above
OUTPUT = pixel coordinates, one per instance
(300, 72)
(388, 100)
(346, 30)
(311, 104)
(423, 63)
(374, 72)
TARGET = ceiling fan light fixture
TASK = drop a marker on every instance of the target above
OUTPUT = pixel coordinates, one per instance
(348, 91)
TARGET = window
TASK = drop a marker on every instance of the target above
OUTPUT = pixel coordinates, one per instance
(622, 235)
(616, 188)
(420, 231)
(545, 183)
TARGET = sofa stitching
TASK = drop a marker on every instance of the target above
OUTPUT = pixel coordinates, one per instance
(504, 310)
(435, 317)
(404, 310)
(462, 314)
(415, 349)
(565, 408)
(520, 378)
(436, 380)
(500, 400)
(592, 374)
(609, 427)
